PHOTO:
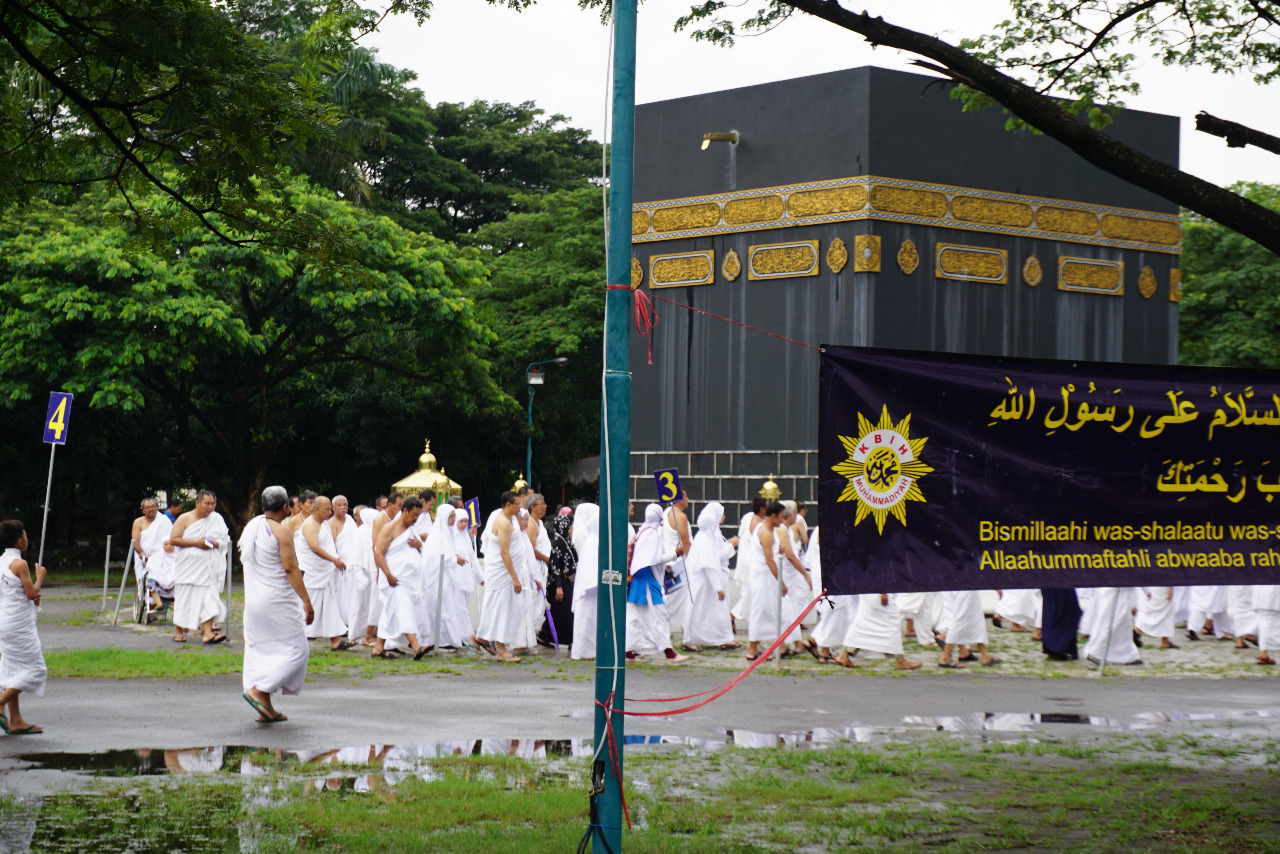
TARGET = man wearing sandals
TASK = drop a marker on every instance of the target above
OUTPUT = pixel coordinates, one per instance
(318, 557)
(277, 609)
(200, 539)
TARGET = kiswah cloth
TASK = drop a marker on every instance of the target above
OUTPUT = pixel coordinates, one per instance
(275, 627)
(21, 661)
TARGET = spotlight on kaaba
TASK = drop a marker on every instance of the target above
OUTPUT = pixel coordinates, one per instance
(865, 207)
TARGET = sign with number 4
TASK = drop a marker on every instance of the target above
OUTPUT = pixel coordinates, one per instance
(668, 481)
(57, 419)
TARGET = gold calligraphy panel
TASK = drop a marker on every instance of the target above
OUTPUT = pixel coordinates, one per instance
(905, 200)
(685, 217)
(991, 211)
(730, 267)
(1032, 273)
(682, 270)
(1175, 285)
(1090, 275)
(837, 255)
(908, 257)
(782, 260)
(1147, 282)
(637, 274)
(971, 263)
(753, 210)
(1066, 220)
(867, 197)
(822, 202)
(1141, 229)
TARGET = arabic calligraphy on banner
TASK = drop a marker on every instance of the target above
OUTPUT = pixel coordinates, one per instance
(1045, 473)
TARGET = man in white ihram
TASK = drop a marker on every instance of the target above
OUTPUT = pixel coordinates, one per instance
(150, 531)
(277, 609)
(318, 558)
(200, 562)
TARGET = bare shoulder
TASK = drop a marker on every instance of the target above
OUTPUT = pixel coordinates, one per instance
(502, 523)
(280, 532)
(18, 567)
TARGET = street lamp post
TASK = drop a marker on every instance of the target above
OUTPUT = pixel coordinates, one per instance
(534, 378)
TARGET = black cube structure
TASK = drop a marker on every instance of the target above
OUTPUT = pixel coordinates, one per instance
(865, 207)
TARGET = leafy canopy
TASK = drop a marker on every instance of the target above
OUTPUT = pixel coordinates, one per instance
(1230, 313)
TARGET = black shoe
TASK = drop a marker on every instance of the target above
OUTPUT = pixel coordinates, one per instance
(1192, 635)
(1137, 640)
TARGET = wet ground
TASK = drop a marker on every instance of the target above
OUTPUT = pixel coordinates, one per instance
(401, 720)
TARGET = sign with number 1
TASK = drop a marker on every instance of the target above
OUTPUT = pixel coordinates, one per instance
(668, 481)
(473, 510)
(57, 418)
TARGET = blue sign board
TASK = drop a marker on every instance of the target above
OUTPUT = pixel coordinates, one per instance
(57, 418)
(668, 482)
(473, 510)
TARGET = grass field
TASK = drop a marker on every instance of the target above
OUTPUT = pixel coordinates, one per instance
(928, 794)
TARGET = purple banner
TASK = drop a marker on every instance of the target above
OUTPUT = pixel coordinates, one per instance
(946, 472)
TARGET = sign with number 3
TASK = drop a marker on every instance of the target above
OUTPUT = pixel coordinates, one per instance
(57, 419)
(668, 481)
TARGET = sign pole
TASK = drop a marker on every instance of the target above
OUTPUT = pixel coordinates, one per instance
(106, 568)
(44, 521)
(124, 578)
(615, 450)
(56, 419)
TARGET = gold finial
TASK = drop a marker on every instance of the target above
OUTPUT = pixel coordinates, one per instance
(770, 490)
(519, 484)
(427, 462)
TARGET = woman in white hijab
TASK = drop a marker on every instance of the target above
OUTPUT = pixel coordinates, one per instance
(708, 565)
(460, 582)
(586, 584)
(438, 556)
(648, 623)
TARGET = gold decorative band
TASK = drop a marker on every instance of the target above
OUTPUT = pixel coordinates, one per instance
(782, 260)
(1090, 275)
(867, 197)
(686, 268)
(970, 263)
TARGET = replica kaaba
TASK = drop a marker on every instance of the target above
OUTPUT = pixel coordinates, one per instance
(865, 207)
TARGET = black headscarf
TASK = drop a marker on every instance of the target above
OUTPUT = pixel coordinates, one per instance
(564, 559)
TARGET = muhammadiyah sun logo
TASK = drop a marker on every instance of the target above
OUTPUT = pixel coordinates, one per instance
(883, 469)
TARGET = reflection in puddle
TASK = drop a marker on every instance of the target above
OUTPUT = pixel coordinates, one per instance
(1024, 721)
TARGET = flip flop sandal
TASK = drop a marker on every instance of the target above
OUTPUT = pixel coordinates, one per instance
(812, 648)
(386, 654)
(31, 730)
(178, 640)
(417, 656)
(280, 716)
(840, 663)
(214, 640)
(734, 645)
(994, 661)
(753, 657)
(4, 721)
(258, 706)
(950, 665)
(342, 647)
(969, 657)
(485, 645)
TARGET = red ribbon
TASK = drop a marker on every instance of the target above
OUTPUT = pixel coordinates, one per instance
(726, 687)
(646, 315)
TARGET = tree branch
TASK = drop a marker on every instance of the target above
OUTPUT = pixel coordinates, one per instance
(1047, 115)
(1236, 135)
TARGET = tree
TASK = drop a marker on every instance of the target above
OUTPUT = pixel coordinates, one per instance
(546, 299)
(1231, 293)
(147, 95)
(1080, 50)
(236, 343)
(452, 169)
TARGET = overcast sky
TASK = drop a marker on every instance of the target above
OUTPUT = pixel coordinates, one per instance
(556, 55)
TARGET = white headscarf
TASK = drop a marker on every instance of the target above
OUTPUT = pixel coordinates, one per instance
(367, 515)
(648, 546)
(586, 542)
(708, 543)
(440, 542)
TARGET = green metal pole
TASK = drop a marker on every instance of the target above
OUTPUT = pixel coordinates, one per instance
(615, 442)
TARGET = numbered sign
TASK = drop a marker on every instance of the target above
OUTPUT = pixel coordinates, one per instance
(473, 510)
(668, 481)
(57, 418)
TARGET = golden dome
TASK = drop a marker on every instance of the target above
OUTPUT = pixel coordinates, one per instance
(770, 490)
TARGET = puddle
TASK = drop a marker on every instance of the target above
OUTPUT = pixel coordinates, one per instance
(1026, 721)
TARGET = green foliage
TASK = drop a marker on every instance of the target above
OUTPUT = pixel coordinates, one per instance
(1230, 312)
(452, 169)
(233, 342)
(118, 91)
(546, 300)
